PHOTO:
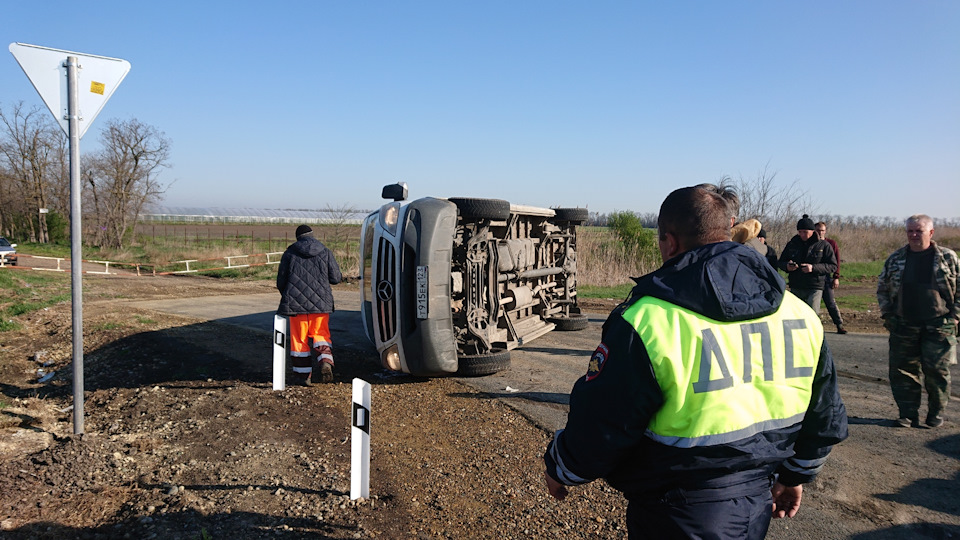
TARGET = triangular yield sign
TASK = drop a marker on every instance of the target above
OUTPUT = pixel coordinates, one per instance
(97, 77)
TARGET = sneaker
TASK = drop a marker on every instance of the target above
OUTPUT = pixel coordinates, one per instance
(934, 421)
(326, 372)
(908, 422)
(841, 329)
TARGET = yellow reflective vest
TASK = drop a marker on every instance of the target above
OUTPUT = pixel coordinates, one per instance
(725, 381)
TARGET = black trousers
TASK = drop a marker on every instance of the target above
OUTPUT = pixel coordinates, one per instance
(715, 514)
(831, 302)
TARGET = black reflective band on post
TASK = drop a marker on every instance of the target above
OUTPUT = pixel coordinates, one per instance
(361, 418)
(278, 337)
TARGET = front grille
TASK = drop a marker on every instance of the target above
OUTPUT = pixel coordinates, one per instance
(385, 290)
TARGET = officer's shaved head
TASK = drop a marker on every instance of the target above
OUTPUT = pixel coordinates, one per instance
(698, 215)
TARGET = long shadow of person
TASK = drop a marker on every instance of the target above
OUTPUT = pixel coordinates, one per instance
(937, 494)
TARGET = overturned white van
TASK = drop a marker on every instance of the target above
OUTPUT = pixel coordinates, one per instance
(450, 286)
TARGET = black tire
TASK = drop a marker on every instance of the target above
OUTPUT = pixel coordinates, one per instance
(477, 365)
(574, 215)
(497, 209)
(570, 324)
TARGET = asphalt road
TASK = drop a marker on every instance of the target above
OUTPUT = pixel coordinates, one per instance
(541, 373)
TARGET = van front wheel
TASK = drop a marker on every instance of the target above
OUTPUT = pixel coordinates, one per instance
(477, 365)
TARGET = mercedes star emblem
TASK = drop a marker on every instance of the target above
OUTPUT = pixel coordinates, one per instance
(385, 291)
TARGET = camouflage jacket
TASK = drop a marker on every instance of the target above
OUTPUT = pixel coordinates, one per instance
(947, 274)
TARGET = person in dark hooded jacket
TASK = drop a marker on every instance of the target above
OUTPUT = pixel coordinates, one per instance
(712, 397)
(808, 262)
(307, 269)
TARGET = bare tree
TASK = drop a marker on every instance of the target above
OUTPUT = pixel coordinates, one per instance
(59, 196)
(30, 149)
(7, 202)
(776, 206)
(343, 222)
(123, 177)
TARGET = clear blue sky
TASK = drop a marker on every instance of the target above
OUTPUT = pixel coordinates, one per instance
(611, 104)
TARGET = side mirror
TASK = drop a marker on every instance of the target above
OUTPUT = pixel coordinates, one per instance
(397, 192)
(13, 245)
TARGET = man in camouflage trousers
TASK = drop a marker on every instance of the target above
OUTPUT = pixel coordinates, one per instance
(917, 293)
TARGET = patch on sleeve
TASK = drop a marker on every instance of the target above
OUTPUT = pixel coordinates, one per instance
(596, 362)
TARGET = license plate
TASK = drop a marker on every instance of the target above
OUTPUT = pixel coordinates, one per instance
(423, 297)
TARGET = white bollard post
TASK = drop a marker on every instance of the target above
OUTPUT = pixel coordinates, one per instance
(360, 441)
(279, 352)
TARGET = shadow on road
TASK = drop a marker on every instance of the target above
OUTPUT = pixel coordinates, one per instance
(871, 421)
(535, 397)
(556, 351)
(916, 494)
(912, 530)
(214, 351)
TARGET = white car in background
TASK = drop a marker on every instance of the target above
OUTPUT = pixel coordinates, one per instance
(8, 252)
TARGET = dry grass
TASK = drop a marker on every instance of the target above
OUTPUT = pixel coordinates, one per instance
(603, 261)
(202, 245)
(864, 244)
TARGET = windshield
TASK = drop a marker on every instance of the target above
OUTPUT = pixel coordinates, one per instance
(366, 269)
(366, 255)
(4, 242)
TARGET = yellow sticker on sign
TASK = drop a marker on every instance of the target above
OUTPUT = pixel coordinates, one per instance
(96, 87)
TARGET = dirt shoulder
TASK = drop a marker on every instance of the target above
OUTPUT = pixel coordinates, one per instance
(184, 436)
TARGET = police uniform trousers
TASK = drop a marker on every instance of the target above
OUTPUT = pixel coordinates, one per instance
(738, 512)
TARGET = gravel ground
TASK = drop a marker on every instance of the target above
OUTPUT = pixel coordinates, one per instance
(197, 445)
(184, 438)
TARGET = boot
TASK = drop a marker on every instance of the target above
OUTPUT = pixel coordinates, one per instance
(841, 329)
(326, 372)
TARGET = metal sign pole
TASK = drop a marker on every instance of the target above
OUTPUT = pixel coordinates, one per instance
(45, 68)
(76, 253)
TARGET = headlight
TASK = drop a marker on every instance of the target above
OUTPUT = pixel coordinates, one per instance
(391, 359)
(388, 217)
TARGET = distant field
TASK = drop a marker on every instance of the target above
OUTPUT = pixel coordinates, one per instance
(277, 236)
(605, 266)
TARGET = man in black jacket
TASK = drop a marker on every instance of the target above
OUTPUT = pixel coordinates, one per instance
(307, 269)
(808, 261)
(712, 397)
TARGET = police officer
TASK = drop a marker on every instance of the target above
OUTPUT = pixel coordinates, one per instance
(712, 397)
